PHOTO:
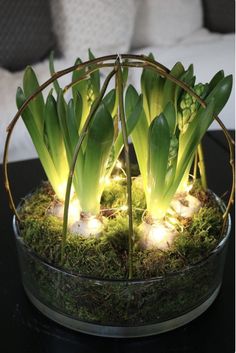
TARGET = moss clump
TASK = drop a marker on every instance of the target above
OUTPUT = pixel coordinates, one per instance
(114, 197)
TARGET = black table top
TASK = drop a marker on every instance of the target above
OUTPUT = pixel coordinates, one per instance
(23, 329)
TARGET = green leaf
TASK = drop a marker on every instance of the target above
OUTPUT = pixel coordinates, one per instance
(62, 114)
(188, 78)
(38, 141)
(139, 134)
(110, 102)
(74, 136)
(170, 116)
(172, 161)
(196, 130)
(133, 108)
(215, 80)
(78, 107)
(31, 85)
(220, 94)
(95, 77)
(52, 72)
(71, 124)
(99, 143)
(54, 135)
(125, 72)
(152, 85)
(159, 145)
(82, 89)
(170, 87)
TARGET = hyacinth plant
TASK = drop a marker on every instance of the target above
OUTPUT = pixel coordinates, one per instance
(166, 139)
(55, 126)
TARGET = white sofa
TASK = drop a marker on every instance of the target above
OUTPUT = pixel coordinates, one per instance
(188, 43)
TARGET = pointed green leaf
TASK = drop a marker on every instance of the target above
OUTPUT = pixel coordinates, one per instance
(99, 143)
(78, 107)
(132, 120)
(110, 102)
(38, 141)
(170, 87)
(62, 114)
(170, 116)
(52, 72)
(152, 85)
(95, 77)
(188, 78)
(71, 124)
(82, 89)
(125, 72)
(159, 145)
(221, 93)
(31, 85)
(139, 134)
(54, 135)
(215, 80)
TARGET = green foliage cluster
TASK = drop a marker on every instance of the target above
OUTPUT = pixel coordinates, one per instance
(170, 128)
(166, 125)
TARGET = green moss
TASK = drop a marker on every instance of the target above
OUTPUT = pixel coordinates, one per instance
(107, 255)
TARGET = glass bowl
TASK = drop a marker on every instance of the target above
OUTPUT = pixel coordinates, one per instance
(122, 308)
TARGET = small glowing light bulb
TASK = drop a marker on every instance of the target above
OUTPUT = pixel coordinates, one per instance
(188, 187)
(119, 165)
(157, 233)
(94, 225)
(107, 181)
(117, 178)
(124, 208)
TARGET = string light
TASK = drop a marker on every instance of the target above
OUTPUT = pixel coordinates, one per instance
(107, 181)
(188, 187)
(117, 178)
(157, 234)
(124, 208)
(119, 165)
(94, 225)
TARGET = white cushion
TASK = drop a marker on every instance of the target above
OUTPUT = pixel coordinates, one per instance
(104, 26)
(163, 22)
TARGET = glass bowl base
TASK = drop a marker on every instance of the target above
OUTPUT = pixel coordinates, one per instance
(122, 331)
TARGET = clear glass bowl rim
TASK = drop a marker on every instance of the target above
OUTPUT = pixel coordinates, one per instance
(214, 252)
